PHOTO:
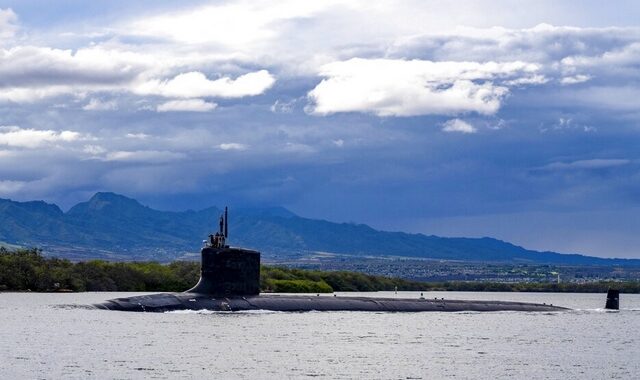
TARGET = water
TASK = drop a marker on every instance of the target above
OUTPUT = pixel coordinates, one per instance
(43, 336)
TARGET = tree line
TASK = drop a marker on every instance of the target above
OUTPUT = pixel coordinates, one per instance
(29, 270)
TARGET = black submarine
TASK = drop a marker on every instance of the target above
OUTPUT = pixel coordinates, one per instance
(230, 281)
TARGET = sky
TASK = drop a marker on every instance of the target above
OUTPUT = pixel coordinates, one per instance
(511, 119)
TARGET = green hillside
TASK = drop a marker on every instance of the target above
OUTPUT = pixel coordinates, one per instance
(113, 226)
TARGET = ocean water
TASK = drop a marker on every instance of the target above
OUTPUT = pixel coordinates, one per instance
(52, 336)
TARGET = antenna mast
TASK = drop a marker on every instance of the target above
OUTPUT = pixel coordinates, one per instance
(226, 223)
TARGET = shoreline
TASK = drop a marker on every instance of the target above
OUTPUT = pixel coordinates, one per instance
(425, 290)
(29, 270)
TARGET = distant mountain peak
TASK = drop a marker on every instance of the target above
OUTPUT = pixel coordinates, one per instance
(107, 201)
(110, 196)
(275, 211)
(34, 206)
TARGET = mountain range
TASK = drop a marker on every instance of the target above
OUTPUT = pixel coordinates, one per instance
(112, 226)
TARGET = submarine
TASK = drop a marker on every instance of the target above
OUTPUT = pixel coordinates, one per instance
(230, 281)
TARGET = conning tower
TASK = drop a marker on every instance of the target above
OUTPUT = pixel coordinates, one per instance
(227, 271)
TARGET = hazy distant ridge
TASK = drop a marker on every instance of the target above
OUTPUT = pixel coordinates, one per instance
(112, 223)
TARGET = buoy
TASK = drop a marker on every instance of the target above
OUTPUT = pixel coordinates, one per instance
(613, 299)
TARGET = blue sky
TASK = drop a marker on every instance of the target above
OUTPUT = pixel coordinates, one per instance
(469, 118)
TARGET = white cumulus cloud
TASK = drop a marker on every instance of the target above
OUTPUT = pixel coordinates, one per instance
(195, 84)
(389, 87)
(187, 105)
(457, 125)
(575, 79)
(232, 146)
(32, 138)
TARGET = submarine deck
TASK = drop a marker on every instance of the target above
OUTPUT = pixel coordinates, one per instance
(299, 303)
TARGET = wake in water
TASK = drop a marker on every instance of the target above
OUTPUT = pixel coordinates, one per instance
(205, 311)
(603, 310)
(73, 306)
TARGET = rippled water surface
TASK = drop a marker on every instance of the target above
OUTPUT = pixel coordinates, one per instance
(47, 336)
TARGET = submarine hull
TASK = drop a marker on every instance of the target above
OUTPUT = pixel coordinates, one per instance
(230, 281)
(192, 301)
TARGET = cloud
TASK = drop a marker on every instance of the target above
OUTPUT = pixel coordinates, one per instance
(99, 105)
(8, 21)
(9, 187)
(30, 73)
(140, 136)
(527, 80)
(283, 107)
(94, 150)
(232, 146)
(33, 94)
(144, 156)
(566, 124)
(592, 164)
(187, 105)
(457, 125)
(408, 88)
(543, 44)
(25, 66)
(195, 84)
(185, 54)
(31, 138)
(619, 56)
(239, 24)
(580, 78)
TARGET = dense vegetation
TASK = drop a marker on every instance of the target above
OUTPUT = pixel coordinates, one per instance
(29, 270)
(286, 280)
(23, 270)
